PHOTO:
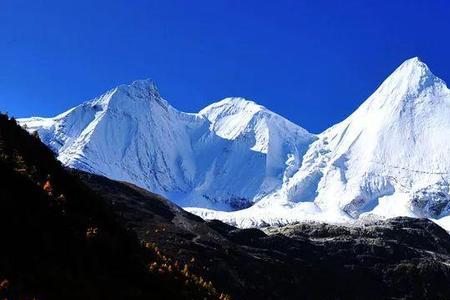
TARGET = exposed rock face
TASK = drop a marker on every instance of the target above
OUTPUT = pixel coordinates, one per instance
(401, 258)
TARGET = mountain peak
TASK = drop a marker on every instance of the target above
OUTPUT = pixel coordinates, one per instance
(413, 60)
(233, 103)
(409, 80)
(139, 92)
(146, 86)
(414, 66)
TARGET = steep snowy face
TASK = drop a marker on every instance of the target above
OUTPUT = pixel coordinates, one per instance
(249, 152)
(389, 158)
(282, 142)
(234, 117)
(129, 133)
(226, 157)
(392, 148)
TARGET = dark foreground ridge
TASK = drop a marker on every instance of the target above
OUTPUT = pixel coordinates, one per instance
(72, 235)
(401, 258)
(61, 240)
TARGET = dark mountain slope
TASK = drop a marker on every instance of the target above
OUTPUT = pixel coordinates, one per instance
(401, 258)
(61, 241)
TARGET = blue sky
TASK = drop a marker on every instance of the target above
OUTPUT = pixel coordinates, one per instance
(313, 62)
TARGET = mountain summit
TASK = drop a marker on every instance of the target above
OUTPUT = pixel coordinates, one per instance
(390, 152)
(388, 158)
(132, 134)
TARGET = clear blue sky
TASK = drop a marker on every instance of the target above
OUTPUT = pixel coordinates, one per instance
(313, 62)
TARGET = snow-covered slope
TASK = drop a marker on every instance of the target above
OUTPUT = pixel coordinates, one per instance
(389, 158)
(396, 144)
(226, 157)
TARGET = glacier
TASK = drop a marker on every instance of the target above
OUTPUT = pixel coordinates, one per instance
(239, 162)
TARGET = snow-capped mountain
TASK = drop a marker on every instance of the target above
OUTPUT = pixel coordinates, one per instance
(225, 157)
(389, 158)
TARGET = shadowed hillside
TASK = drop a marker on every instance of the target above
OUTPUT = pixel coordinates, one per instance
(60, 240)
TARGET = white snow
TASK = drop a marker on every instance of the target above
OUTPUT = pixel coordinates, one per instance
(389, 158)
(227, 156)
